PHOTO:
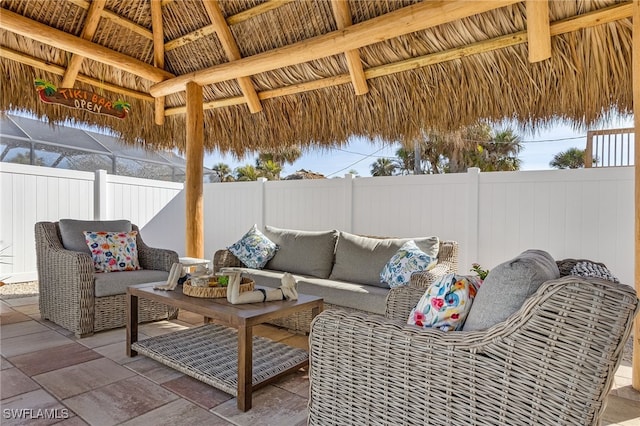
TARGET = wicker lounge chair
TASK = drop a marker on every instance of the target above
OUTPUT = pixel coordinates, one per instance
(552, 362)
(67, 291)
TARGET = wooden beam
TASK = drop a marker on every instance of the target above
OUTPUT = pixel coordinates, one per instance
(193, 183)
(342, 13)
(58, 70)
(90, 26)
(231, 20)
(635, 66)
(257, 10)
(158, 54)
(117, 19)
(394, 24)
(34, 30)
(599, 17)
(538, 30)
(232, 51)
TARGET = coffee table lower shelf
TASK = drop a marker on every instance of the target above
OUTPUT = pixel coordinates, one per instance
(209, 353)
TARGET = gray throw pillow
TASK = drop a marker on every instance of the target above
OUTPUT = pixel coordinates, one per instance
(507, 286)
(71, 231)
(302, 252)
(361, 259)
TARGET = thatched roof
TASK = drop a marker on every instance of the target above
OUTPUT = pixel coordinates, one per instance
(439, 77)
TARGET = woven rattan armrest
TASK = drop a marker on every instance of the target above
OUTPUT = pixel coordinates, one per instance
(401, 300)
(225, 259)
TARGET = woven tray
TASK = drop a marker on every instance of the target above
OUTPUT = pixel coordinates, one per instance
(215, 292)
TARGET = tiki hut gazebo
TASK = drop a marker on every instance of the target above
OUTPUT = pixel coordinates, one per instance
(240, 75)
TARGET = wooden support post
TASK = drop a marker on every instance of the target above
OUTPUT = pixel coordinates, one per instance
(635, 67)
(538, 30)
(342, 13)
(158, 53)
(193, 185)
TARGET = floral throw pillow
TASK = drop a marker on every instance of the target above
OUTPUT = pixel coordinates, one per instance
(446, 303)
(254, 249)
(408, 260)
(113, 251)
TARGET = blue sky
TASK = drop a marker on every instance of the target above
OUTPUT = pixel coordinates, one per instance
(538, 151)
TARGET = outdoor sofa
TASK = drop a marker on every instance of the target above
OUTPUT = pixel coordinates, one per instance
(538, 351)
(342, 268)
(75, 296)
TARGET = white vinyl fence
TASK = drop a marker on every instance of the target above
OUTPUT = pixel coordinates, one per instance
(582, 214)
(30, 194)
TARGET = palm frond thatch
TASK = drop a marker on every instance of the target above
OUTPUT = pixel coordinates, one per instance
(588, 76)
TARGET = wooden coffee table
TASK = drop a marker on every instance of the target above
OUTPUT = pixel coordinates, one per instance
(215, 353)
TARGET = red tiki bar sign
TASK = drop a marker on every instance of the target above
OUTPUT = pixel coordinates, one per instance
(80, 99)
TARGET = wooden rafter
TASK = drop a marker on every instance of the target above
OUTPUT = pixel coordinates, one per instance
(90, 26)
(394, 24)
(58, 70)
(232, 51)
(231, 20)
(117, 19)
(42, 33)
(158, 54)
(598, 17)
(342, 13)
(538, 30)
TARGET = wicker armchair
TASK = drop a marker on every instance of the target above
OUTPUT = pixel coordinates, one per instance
(552, 362)
(66, 285)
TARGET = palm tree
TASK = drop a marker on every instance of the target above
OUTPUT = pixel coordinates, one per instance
(405, 161)
(269, 169)
(281, 156)
(223, 171)
(472, 146)
(247, 173)
(383, 167)
(501, 153)
(573, 158)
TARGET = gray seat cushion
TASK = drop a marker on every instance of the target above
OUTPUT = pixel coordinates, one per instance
(357, 296)
(112, 283)
(73, 238)
(360, 259)
(507, 286)
(302, 252)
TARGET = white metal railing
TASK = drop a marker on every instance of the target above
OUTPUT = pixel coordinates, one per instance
(609, 148)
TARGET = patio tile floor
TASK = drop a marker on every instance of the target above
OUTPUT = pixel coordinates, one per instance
(91, 381)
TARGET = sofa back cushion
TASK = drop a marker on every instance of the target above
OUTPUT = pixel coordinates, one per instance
(507, 286)
(361, 259)
(71, 231)
(302, 252)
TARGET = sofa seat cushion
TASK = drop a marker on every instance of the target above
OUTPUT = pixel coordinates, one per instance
(507, 286)
(302, 252)
(361, 259)
(71, 231)
(357, 296)
(113, 283)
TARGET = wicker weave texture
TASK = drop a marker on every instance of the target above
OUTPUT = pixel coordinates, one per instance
(551, 363)
(209, 353)
(66, 285)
